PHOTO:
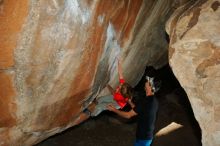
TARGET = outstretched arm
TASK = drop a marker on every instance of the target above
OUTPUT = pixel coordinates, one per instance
(120, 69)
(123, 114)
(110, 89)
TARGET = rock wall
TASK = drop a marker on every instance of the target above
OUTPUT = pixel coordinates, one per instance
(194, 55)
(55, 56)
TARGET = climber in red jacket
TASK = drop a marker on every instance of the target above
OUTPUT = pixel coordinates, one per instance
(118, 98)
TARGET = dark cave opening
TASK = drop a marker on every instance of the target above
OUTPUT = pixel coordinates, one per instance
(175, 124)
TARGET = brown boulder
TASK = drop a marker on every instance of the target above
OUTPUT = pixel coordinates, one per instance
(194, 55)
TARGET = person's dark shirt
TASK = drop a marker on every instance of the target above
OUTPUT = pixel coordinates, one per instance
(146, 108)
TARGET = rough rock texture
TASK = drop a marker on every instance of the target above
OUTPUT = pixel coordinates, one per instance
(194, 56)
(55, 56)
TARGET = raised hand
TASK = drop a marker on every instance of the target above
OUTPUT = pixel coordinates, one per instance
(120, 69)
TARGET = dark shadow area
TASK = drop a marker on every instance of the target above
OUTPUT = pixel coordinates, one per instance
(110, 130)
(174, 107)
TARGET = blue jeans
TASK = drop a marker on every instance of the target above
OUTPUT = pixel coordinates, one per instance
(143, 142)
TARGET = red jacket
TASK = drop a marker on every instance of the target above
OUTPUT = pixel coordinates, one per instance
(122, 101)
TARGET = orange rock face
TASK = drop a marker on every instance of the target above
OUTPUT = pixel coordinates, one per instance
(55, 56)
(12, 17)
(7, 101)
